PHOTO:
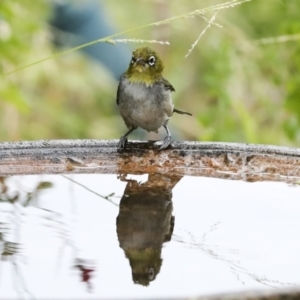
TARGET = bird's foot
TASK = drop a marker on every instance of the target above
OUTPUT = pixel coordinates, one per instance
(122, 143)
(166, 142)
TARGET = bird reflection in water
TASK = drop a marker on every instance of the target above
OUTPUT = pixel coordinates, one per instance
(145, 222)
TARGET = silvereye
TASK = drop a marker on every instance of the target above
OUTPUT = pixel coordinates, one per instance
(144, 96)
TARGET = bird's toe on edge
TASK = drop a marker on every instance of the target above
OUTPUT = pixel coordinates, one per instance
(122, 143)
(166, 143)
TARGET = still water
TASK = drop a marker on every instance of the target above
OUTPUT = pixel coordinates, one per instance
(148, 236)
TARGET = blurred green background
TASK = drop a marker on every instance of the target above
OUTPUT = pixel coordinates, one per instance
(239, 86)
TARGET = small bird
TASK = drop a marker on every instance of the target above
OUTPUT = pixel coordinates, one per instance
(144, 96)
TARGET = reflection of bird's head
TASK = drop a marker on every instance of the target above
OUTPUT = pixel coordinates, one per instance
(145, 66)
(145, 265)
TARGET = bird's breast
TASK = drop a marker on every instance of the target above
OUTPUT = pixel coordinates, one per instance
(140, 92)
(148, 107)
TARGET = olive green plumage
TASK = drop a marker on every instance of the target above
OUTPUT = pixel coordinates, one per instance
(140, 70)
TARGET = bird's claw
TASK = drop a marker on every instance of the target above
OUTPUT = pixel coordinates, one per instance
(166, 142)
(122, 143)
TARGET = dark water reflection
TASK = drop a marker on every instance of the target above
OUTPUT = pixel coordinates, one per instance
(145, 222)
(103, 236)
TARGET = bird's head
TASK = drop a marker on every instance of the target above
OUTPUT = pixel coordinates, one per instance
(145, 66)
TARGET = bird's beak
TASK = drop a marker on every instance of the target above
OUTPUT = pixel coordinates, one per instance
(140, 65)
(141, 62)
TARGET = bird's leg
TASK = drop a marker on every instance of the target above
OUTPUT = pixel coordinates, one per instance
(123, 139)
(167, 139)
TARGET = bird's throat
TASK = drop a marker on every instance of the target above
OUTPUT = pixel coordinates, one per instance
(140, 68)
(141, 77)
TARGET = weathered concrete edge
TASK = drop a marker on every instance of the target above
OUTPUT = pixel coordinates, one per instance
(185, 145)
(211, 159)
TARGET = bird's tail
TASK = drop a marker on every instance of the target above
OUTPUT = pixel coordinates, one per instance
(181, 112)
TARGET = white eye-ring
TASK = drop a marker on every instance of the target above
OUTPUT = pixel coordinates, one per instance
(151, 273)
(151, 61)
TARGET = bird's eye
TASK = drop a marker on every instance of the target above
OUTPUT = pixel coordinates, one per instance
(151, 61)
(133, 60)
(151, 274)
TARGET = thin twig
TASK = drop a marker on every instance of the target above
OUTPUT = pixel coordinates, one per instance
(218, 7)
(115, 41)
(83, 186)
(279, 39)
(201, 34)
(213, 23)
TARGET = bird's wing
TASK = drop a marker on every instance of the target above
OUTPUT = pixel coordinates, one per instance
(167, 85)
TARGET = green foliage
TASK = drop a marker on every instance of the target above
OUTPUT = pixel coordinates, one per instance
(241, 81)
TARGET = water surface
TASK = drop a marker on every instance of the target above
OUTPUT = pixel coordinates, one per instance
(108, 236)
